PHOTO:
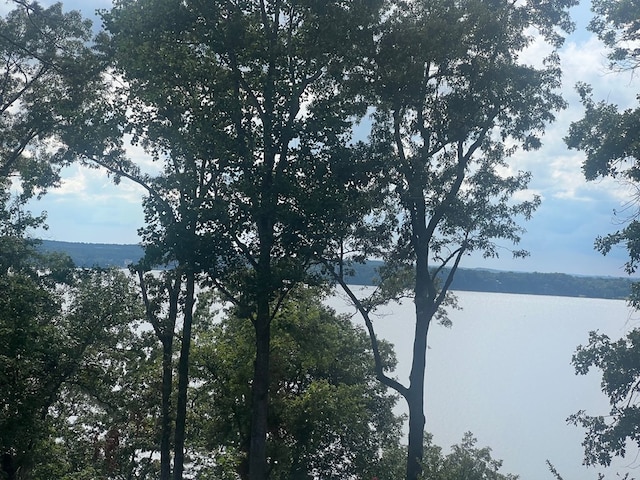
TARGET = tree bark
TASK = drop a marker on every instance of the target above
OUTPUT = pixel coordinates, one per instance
(167, 385)
(415, 395)
(167, 379)
(424, 298)
(260, 395)
(183, 377)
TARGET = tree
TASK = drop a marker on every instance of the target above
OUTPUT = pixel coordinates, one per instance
(328, 416)
(161, 295)
(103, 422)
(464, 461)
(46, 76)
(616, 24)
(453, 103)
(29, 379)
(619, 361)
(244, 105)
(609, 139)
(608, 136)
(55, 325)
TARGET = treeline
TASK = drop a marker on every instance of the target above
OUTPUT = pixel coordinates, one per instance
(103, 255)
(475, 280)
(535, 283)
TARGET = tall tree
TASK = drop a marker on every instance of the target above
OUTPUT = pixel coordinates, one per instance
(46, 75)
(454, 102)
(243, 104)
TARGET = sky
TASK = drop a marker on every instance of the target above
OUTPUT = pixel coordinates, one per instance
(560, 237)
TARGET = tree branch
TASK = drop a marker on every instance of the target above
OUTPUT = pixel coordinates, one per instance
(380, 375)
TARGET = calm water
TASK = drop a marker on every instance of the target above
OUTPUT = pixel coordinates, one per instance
(503, 372)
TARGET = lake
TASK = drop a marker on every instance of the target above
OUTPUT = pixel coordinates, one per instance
(503, 372)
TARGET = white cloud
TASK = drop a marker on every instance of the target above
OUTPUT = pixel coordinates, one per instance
(94, 185)
(557, 171)
(141, 158)
(537, 51)
(583, 61)
(528, 195)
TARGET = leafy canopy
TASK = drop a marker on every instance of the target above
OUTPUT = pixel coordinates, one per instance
(328, 415)
(47, 72)
(619, 361)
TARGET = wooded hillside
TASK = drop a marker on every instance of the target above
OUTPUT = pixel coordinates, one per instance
(476, 280)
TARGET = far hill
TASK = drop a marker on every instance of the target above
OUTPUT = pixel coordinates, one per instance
(87, 255)
(478, 280)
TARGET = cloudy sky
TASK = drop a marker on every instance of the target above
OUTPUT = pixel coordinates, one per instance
(88, 208)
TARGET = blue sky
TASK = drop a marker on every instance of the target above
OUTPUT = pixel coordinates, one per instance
(89, 208)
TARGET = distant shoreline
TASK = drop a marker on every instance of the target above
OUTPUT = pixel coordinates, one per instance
(87, 255)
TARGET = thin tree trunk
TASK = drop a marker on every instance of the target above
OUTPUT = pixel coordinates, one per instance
(262, 322)
(167, 385)
(183, 377)
(260, 396)
(164, 330)
(415, 399)
(424, 296)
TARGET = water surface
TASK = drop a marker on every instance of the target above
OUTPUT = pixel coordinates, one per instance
(503, 372)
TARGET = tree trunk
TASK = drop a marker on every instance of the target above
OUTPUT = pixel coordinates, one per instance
(415, 397)
(167, 386)
(262, 324)
(183, 377)
(424, 295)
(165, 331)
(260, 396)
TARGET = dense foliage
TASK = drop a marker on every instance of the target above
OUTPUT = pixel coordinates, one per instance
(56, 324)
(328, 416)
(62, 333)
(245, 108)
